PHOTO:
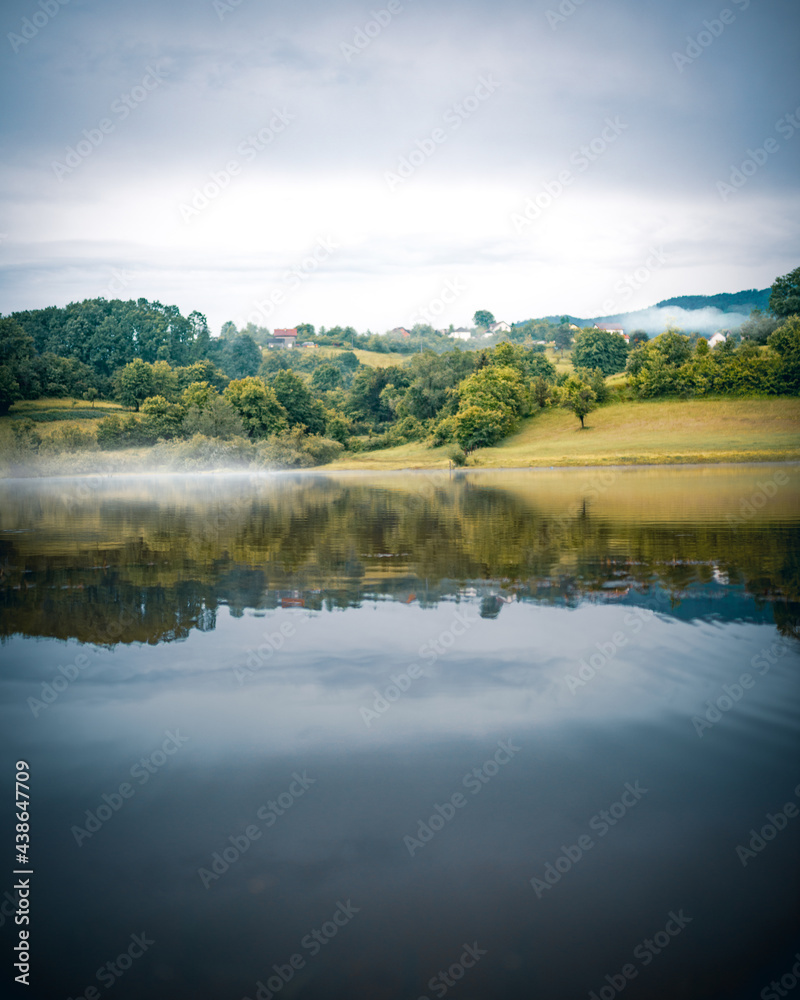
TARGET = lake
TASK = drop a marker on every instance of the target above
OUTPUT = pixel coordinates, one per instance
(402, 736)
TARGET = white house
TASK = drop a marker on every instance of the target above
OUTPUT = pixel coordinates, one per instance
(462, 333)
(610, 328)
(718, 338)
(501, 327)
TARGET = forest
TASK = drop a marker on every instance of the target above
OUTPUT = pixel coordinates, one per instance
(305, 406)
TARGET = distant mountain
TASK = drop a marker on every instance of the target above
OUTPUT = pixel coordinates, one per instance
(738, 302)
(691, 313)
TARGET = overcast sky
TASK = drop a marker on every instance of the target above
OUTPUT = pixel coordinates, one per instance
(311, 162)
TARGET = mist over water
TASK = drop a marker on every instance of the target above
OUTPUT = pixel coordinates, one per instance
(367, 735)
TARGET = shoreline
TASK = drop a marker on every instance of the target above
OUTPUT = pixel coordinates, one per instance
(329, 470)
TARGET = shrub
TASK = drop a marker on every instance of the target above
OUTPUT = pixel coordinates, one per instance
(69, 438)
(456, 455)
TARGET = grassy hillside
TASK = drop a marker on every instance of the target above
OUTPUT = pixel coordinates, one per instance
(375, 359)
(50, 414)
(652, 432)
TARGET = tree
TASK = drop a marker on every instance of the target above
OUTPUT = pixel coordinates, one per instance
(90, 396)
(638, 337)
(674, 346)
(294, 396)
(161, 418)
(600, 349)
(326, 377)
(198, 395)
(217, 418)
(784, 299)
(241, 356)
(9, 389)
(257, 405)
(305, 330)
(786, 342)
(758, 326)
(563, 337)
(134, 383)
(579, 397)
(496, 387)
(483, 318)
(477, 427)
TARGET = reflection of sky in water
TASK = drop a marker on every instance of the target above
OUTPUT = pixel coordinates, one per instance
(343, 838)
(504, 679)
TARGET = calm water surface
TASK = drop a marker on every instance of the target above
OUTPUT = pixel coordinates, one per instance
(405, 736)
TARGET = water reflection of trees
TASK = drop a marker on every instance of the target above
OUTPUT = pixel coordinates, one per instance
(150, 567)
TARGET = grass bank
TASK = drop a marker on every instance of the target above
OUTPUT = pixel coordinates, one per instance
(655, 432)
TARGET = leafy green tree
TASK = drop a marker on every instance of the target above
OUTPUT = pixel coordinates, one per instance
(365, 401)
(477, 427)
(217, 418)
(483, 318)
(499, 386)
(758, 327)
(295, 397)
(638, 337)
(134, 383)
(348, 360)
(161, 418)
(562, 337)
(9, 389)
(784, 299)
(541, 390)
(785, 341)
(600, 349)
(164, 381)
(90, 396)
(594, 378)
(578, 396)
(201, 371)
(241, 357)
(326, 377)
(305, 330)
(674, 346)
(198, 394)
(257, 405)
